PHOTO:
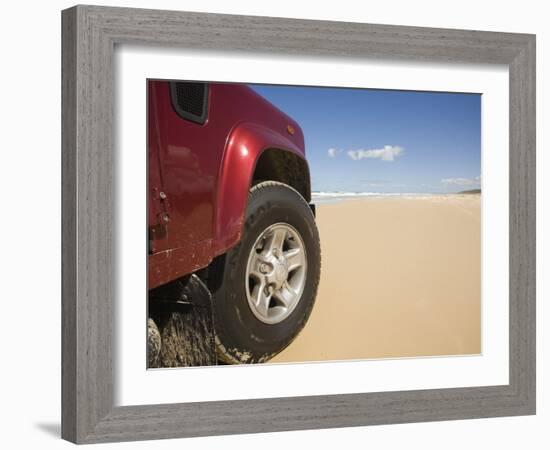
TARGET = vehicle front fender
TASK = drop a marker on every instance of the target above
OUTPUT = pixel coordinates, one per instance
(245, 144)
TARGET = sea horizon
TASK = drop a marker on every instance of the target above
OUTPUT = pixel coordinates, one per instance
(336, 196)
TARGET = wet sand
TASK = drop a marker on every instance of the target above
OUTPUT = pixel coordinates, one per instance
(400, 277)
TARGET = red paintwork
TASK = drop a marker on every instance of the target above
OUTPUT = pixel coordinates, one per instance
(205, 171)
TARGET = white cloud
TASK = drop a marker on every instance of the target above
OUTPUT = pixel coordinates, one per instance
(462, 181)
(333, 152)
(387, 153)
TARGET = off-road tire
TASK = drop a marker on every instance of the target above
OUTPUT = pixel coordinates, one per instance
(240, 336)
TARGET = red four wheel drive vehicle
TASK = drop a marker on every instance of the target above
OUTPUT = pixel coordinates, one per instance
(228, 189)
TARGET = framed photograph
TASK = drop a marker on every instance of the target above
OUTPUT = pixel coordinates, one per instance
(278, 224)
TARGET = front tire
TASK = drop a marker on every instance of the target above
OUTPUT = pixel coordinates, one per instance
(270, 279)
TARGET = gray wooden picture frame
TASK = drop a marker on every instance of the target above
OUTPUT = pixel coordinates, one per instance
(88, 153)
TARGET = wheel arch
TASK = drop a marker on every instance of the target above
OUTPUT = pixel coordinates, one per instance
(276, 164)
(253, 153)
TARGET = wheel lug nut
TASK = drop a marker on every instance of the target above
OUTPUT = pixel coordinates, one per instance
(264, 268)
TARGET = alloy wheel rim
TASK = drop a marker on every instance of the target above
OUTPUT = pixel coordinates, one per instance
(276, 273)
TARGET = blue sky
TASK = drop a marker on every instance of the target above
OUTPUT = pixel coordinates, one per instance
(361, 140)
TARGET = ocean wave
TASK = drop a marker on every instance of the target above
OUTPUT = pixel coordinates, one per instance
(365, 194)
(335, 197)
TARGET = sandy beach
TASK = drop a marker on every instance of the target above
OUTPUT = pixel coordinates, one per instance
(400, 277)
